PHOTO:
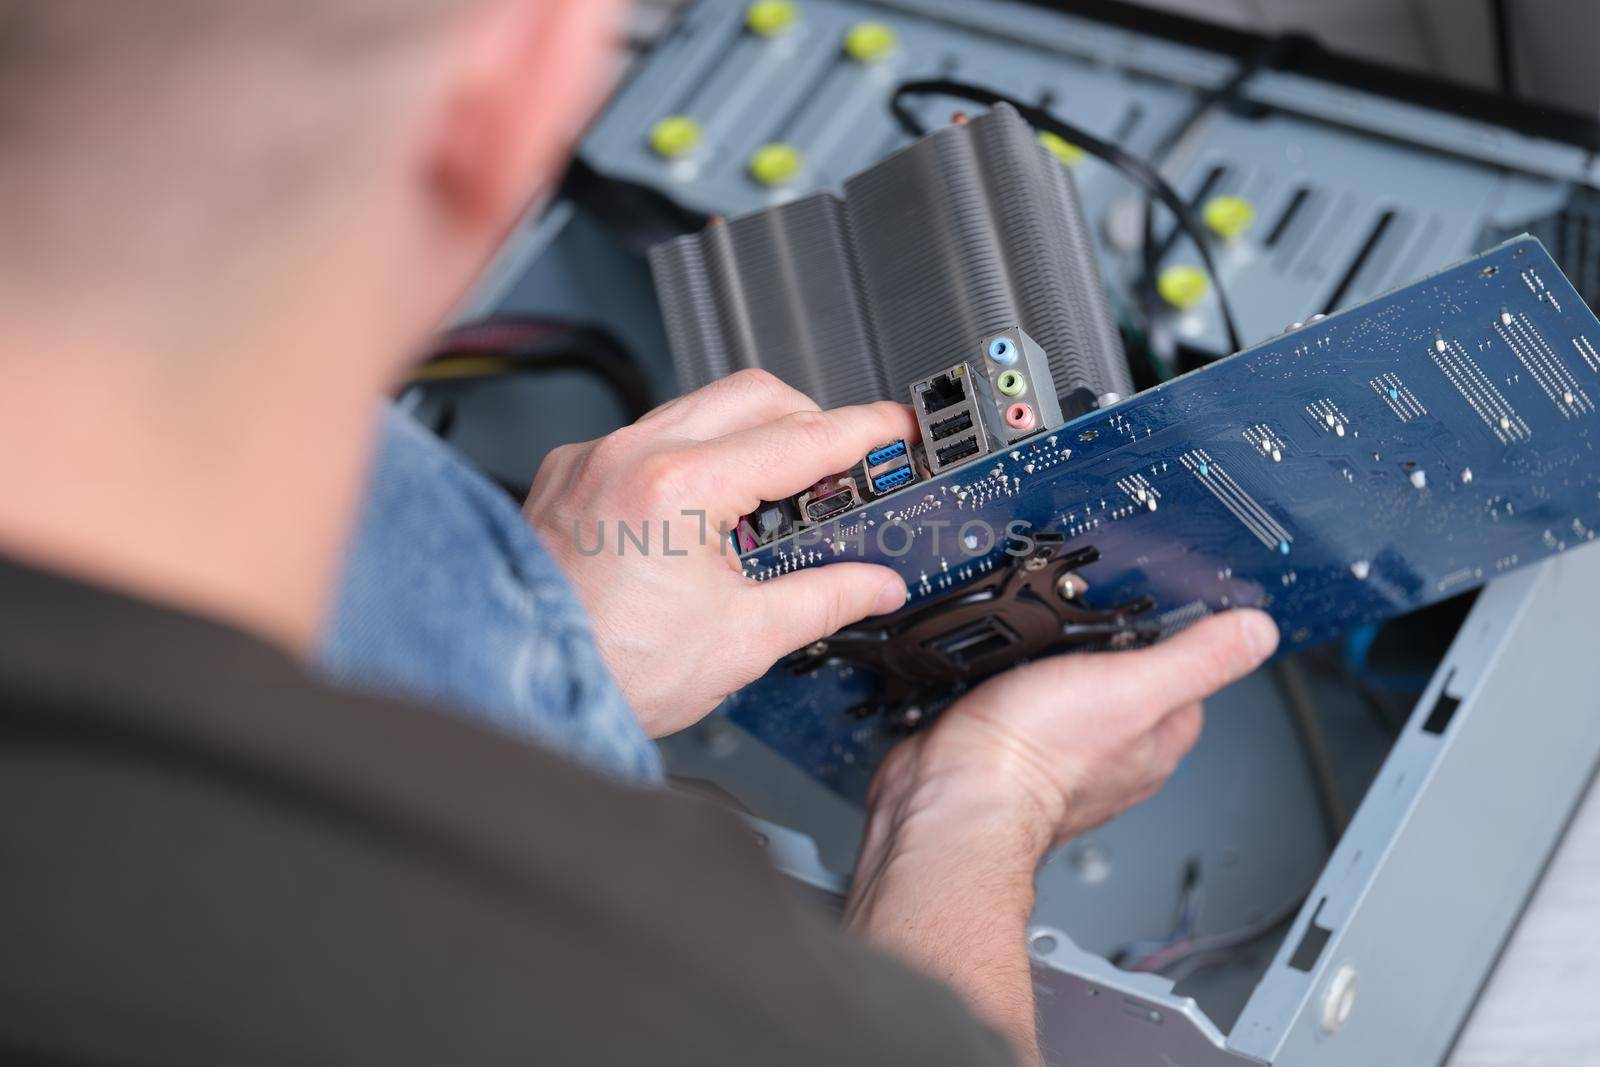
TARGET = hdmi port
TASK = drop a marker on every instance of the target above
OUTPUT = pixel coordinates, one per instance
(826, 508)
(950, 427)
(958, 451)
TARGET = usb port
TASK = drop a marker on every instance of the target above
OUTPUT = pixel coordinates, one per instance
(950, 427)
(887, 483)
(884, 453)
(958, 451)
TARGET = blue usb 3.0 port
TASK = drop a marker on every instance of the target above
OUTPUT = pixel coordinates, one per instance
(885, 453)
(893, 480)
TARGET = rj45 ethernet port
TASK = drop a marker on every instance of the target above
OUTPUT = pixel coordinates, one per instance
(942, 392)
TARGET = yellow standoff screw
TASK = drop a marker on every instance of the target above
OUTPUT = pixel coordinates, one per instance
(771, 18)
(776, 164)
(1183, 286)
(1229, 217)
(675, 136)
(869, 42)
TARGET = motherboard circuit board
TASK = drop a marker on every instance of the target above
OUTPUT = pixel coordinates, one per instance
(1355, 468)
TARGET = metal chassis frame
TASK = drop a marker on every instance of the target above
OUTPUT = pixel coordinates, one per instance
(1427, 883)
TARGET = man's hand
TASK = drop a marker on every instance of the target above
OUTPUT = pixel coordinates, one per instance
(961, 816)
(1071, 742)
(677, 622)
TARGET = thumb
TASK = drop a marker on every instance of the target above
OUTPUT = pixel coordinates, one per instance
(1151, 682)
(809, 605)
(1187, 668)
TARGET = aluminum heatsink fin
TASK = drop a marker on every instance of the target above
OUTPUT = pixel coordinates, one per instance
(779, 289)
(971, 231)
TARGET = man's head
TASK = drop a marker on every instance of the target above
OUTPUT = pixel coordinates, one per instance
(224, 227)
(209, 143)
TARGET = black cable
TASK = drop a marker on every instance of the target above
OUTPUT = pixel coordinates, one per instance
(1132, 167)
(1275, 53)
(1504, 54)
(639, 216)
(526, 345)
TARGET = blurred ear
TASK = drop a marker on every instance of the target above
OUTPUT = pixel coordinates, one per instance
(524, 80)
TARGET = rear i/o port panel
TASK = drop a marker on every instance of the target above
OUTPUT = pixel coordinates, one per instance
(950, 415)
(963, 413)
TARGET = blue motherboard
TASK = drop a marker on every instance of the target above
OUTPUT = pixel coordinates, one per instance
(1353, 469)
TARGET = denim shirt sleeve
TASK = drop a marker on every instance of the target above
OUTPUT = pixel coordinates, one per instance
(449, 597)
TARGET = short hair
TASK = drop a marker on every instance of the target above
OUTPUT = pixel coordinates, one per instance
(46, 43)
(257, 93)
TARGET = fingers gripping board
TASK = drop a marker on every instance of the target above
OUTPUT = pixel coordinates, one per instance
(1353, 469)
